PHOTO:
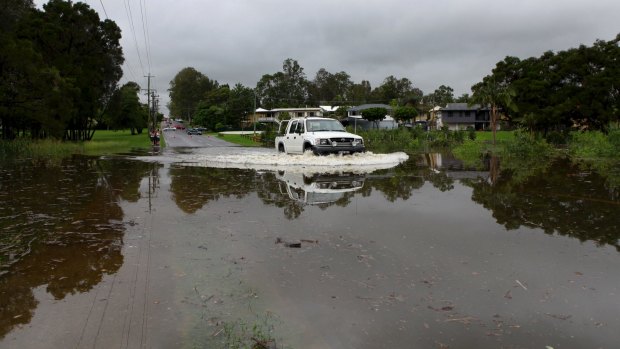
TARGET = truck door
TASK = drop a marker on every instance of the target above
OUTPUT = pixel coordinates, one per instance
(295, 137)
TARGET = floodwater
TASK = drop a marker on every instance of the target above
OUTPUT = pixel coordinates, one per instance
(207, 248)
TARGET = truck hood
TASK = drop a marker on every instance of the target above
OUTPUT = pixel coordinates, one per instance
(334, 134)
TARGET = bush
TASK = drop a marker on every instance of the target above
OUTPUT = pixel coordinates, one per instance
(471, 133)
(470, 152)
(268, 137)
(556, 137)
(526, 146)
(594, 144)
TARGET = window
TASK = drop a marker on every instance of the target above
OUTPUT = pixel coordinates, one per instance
(293, 127)
(300, 114)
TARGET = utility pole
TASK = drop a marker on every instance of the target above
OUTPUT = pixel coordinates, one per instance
(148, 96)
(154, 108)
(254, 113)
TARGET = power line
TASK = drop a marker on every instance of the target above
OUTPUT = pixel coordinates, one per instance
(133, 31)
(145, 31)
(104, 11)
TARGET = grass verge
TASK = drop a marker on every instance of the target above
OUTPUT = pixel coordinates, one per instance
(103, 142)
(245, 141)
(113, 142)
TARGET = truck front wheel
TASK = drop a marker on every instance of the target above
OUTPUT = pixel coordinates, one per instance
(281, 148)
(309, 147)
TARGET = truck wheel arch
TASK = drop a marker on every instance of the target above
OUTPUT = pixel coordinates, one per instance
(308, 146)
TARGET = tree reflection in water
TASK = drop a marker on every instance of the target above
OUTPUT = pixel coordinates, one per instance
(559, 198)
(62, 227)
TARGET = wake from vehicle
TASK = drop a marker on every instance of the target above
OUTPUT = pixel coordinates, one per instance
(272, 161)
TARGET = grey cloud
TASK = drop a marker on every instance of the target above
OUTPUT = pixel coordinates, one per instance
(430, 42)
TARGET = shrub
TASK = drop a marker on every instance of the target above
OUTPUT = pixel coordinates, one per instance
(556, 137)
(526, 146)
(471, 134)
(593, 144)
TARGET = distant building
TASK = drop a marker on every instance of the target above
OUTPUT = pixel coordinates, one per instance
(354, 117)
(329, 110)
(460, 116)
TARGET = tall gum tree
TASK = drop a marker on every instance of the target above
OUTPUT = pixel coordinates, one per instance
(85, 52)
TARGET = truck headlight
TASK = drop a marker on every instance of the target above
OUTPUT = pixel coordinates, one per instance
(322, 141)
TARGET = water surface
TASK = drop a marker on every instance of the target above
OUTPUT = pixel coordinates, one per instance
(174, 252)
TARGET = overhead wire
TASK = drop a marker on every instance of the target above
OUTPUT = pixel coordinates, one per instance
(145, 31)
(133, 31)
(104, 11)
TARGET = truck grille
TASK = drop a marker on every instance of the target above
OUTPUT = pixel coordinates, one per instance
(341, 141)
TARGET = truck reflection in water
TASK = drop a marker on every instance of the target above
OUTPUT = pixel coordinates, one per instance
(319, 189)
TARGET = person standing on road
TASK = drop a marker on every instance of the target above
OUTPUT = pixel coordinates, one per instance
(156, 138)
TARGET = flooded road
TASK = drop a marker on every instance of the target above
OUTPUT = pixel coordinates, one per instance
(211, 247)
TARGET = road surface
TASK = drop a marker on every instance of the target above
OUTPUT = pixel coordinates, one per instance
(180, 138)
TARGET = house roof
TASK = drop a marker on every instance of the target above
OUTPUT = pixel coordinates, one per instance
(461, 106)
(329, 108)
(295, 109)
(368, 106)
(261, 110)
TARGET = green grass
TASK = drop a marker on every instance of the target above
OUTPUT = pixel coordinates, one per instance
(103, 142)
(499, 136)
(47, 148)
(113, 142)
(245, 141)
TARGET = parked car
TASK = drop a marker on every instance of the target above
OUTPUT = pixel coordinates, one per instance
(193, 131)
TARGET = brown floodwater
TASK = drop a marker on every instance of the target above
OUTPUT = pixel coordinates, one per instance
(117, 252)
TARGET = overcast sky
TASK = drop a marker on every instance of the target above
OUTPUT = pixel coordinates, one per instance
(430, 42)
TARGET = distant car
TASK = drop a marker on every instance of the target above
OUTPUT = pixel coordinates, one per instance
(169, 129)
(193, 131)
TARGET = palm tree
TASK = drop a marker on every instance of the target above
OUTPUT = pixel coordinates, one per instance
(490, 93)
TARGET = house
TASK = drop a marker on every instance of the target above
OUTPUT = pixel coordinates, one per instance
(329, 110)
(354, 117)
(460, 116)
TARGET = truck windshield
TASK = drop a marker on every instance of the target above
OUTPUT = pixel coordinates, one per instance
(324, 125)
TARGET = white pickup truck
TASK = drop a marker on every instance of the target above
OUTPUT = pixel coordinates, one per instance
(319, 135)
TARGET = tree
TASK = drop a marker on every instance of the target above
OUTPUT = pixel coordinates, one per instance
(577, 87)
(126, 111)
(240, 104)
(59, 66)
(412, 98)
(392, 88)
(374, 115)
(403, 114)
(12, 11)
(33, 95)
(87, 54)
(490, 93)
(187, 89)
(288, 88)
(464, 98)
(330, 88)
(212, 117)
(361, 93)
(443, 95)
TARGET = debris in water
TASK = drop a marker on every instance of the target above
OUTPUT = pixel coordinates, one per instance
(288, 243)
(559, 316)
